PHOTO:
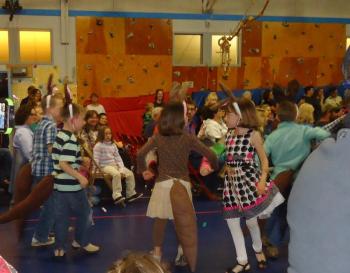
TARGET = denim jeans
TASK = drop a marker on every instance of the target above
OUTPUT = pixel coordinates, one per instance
(276, 226)
(64, 204)
(46, 219)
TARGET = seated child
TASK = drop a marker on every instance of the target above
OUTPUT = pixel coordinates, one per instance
(107, 157)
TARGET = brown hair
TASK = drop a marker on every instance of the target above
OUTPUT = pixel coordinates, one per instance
(171, 121)
(101, 133)
(137, 263)
(23, 113)
(249, 118)
(77, 110)
(286, 111)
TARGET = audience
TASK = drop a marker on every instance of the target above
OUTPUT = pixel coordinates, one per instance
(95, 105)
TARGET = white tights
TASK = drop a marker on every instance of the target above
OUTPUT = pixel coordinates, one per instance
(238, 238)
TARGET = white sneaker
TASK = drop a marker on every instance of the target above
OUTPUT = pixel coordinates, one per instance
(36, 243)
(89, 248)
(180, 259)
(59, 253)
(75, 244)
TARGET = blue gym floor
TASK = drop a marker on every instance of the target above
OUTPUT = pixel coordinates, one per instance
(119, 230)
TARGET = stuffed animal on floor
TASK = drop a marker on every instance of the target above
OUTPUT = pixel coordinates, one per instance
(27, 201)
(318, 210)
(185, 222)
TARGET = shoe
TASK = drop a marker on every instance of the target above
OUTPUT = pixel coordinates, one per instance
(272, 252)
(239, 268)
(134, 197)
(181, 260)
(119, 199)
(36, 243)
(261, 259)
(59, 253)
(75, 244)
(89, 248)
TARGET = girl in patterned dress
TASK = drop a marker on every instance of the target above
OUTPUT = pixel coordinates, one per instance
(248, 193)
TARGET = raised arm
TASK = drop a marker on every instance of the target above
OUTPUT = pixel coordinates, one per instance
(141, 154)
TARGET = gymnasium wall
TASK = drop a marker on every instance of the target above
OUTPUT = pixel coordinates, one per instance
(274, 52)
(123, 57)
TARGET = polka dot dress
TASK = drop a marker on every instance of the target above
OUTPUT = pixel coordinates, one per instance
(240, 195)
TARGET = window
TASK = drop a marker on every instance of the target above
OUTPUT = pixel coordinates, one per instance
(347, 42)
(215, 51)
(4, 46)
(187, 49)
(35, 46)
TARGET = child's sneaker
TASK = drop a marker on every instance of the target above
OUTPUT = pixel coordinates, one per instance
(89, 248)
(59, 253)
(134, 197)
(36, 243)
(180, 260)
(119, 200)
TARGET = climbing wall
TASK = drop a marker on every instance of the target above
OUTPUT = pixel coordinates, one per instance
(277, 53)
(119, 57)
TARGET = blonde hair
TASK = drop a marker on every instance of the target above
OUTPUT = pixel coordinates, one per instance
(306, 114)
(247, 95)
(262, 113)
(211, 96)
(137, 263)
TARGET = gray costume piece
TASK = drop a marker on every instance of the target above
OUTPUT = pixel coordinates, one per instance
(319, 210)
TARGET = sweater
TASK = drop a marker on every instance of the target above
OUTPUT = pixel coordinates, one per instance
(173, 153)
(106, 154)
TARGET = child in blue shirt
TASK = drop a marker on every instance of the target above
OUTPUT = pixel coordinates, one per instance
(288, 146)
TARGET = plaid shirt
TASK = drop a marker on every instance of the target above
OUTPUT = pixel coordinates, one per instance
(44, 135)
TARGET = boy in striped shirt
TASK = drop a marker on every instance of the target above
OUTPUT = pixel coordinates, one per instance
(69, 185)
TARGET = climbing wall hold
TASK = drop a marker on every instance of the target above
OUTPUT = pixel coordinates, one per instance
(274, 36)
(111, 34)
(99, 22)
(130, 35)
(177, 73)
(156, 65)
(106, 80)
(145, 70)
(311, 47)
(254, 50)
(85, 83)
(152, 45)
(285, 24)
(300, 60)
(131, 79)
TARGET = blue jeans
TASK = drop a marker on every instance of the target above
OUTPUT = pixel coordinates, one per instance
(46, 219)
(276, 226)
(64, 204)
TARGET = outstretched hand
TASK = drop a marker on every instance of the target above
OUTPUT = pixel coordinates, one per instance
(147, 175)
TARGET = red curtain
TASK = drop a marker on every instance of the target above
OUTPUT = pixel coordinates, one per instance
(125, 114)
